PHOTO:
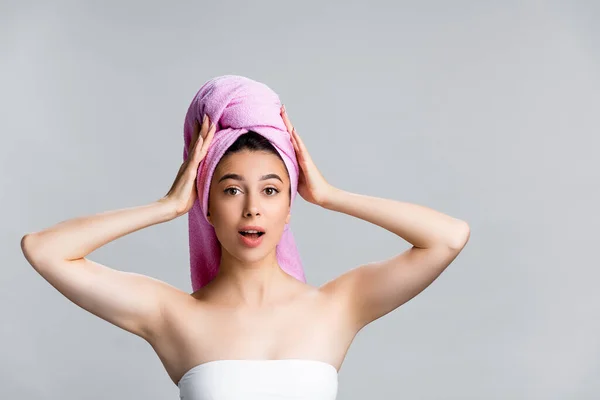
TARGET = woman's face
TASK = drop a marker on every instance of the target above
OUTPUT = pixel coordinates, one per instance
(249, 188)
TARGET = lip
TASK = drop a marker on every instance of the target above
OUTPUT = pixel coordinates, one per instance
(249, 242)
(251, 228)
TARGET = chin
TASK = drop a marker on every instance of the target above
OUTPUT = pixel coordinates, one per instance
(249, 254)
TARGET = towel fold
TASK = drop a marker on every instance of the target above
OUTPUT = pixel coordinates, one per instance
(236, 105)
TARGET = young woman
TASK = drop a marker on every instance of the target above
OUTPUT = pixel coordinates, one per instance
(268, 333)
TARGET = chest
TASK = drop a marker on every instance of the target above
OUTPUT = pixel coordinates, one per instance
(308, 329)
(304, 328)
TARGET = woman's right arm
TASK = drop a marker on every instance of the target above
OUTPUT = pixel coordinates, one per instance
(131, 301)
(128, 300)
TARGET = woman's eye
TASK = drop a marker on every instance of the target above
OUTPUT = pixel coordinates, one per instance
(228, 190)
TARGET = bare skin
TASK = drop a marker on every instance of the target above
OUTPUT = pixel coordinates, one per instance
(252, 309)
(305, 322)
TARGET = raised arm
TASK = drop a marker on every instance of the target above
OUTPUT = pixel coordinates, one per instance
(372, 290)
(128, 300)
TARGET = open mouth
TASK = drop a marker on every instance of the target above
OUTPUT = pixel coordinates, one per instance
(252, 235)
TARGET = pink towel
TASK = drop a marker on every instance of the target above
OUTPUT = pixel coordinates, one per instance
(236, 104)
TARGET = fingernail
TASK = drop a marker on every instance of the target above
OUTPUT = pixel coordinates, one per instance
(204, 119)
(283, 106)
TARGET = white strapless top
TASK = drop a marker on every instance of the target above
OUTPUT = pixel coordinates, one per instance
(296, 379)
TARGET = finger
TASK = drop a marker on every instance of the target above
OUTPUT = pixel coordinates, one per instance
(194, 138)
(198, 146)
(295, 144)
(203, 146)
(286, 120)
(202, 134)
(299, 142)
(209, 136)
(205, 125)
(302, 148)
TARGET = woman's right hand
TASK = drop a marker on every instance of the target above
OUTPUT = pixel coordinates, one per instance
(183, 192)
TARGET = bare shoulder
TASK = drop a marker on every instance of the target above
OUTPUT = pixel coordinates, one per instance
(306, 322)
(370, 291)
(335, 298)
(172, 302)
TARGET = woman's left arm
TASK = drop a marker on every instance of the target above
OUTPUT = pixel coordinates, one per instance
(420, 226)
(372, 290)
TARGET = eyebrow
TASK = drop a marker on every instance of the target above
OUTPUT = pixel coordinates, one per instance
(241, 178)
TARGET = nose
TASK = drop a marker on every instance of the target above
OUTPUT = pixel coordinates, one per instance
(251, 206)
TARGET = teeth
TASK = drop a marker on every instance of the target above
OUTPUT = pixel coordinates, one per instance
(251, 232)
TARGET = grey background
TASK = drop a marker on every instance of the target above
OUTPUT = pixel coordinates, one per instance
(486, 111)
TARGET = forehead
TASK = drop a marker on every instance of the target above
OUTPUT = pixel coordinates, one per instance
(251, 165)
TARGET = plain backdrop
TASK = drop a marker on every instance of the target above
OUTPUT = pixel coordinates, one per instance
(487, 111)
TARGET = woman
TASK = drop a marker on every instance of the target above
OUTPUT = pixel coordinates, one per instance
(254, 331)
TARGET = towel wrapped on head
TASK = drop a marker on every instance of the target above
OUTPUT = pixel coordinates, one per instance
(236, 105)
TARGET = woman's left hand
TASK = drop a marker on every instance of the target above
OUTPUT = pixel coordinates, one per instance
(311, 184)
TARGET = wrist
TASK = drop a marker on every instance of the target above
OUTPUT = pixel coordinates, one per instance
(168, 208)
(329, 198)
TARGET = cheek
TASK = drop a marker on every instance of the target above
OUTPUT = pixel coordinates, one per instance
(281, 215)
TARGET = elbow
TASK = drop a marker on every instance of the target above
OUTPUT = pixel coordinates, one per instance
(29, 249)
(26, 247)
(26, 243)
(460, 239)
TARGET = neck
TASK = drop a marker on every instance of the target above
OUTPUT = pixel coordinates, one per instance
(252, 284)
